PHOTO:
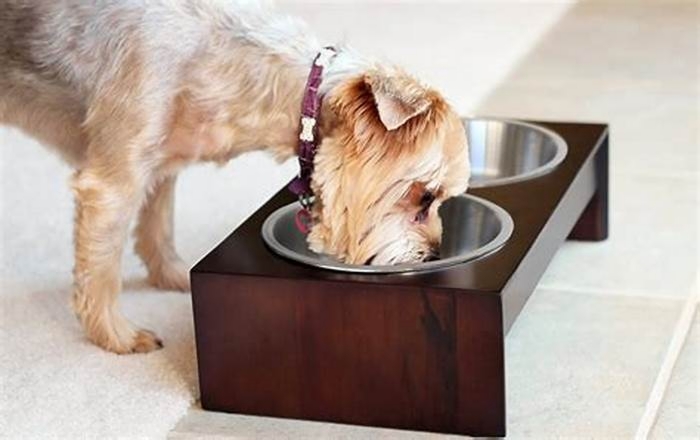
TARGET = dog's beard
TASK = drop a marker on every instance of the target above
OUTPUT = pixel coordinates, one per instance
(388, 240)
(380, 227)
(398, 252)
(394, 240)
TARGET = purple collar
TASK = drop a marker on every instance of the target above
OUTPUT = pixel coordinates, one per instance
(301, 185)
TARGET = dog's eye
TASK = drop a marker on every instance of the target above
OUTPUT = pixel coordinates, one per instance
(427, 199)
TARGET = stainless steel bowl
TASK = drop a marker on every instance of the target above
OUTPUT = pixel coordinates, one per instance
(502, 151)
(472, 228)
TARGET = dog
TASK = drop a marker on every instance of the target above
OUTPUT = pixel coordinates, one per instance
(129, 92)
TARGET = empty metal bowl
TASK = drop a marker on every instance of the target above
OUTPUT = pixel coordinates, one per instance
(472, 228)
(502, 151)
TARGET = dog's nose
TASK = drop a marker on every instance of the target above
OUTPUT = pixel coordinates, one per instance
(433, 252)
(433, 256)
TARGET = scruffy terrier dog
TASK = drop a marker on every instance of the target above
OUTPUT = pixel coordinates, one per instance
(131, 91)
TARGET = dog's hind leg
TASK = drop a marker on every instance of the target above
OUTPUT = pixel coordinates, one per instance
(155, 240)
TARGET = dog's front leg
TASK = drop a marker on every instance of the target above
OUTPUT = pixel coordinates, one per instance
(155, 239)
(107, 198)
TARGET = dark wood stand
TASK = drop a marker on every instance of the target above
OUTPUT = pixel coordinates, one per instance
(420, 351)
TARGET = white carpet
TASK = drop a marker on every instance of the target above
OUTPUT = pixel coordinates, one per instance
(54, 383)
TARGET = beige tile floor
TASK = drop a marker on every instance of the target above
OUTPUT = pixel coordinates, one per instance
(586, 350)
(582, 365)
(679, 413)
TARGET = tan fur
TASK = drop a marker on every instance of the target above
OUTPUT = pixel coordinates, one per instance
(130, 92)
(365, 172)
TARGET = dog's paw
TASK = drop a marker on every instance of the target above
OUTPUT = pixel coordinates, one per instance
(145, 341)
(120, 338)
(173, 275)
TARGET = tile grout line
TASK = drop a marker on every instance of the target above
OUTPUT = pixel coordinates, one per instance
(596, 291)
(685, 176)
(663, 378)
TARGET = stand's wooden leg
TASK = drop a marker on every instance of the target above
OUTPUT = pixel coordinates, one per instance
(593, 223)
(481, 384)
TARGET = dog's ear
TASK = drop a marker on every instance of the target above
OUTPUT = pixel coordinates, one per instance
(398, 98)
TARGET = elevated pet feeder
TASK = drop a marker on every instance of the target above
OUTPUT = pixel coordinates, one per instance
(417, 350)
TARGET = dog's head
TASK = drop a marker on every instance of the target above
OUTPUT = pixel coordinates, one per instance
(392, 151)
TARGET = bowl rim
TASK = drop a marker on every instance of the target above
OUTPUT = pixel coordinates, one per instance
(559, 155)
(490, 247)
